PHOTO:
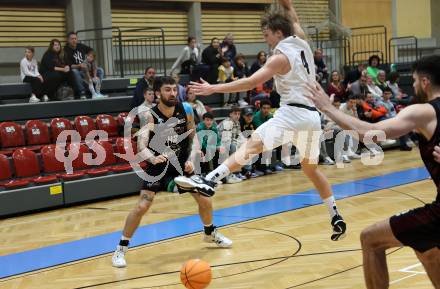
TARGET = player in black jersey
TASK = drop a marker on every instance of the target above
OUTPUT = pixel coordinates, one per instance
(418, 228)
(165, 141)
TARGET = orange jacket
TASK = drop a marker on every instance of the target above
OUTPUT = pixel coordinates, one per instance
(377, 111)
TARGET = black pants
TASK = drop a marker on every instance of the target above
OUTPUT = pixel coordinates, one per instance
(52, 80)
(36, 84)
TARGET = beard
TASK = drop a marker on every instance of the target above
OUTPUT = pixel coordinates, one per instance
(169, 102)
(421, 96)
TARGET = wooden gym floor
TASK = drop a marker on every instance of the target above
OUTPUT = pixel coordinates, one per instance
(284, 247)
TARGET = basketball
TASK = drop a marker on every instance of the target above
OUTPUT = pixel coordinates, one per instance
(196, 274)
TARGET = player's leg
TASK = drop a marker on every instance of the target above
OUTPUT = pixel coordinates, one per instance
(431, 261)
(375, 239)
(131, 224)
(211, 234)
(323, 186)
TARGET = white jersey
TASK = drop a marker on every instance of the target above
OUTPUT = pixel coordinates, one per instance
(292, 85)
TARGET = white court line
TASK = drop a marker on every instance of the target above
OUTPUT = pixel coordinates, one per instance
(408, 270)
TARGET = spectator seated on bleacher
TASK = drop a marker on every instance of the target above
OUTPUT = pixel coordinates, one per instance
(211, 56)
(225, 75)
(320, 66)
(336, 87)
(391, 112)
(350, 108)
(188, 59)
(354, 75)
(210, 149)
(263, 114)
(91, 76)
(359, 87)
(371, 110)
(146, 81)
(229, 51)
(231, 139)
(29, 73)
(181, 90)
(55, 73)
(373, 67)
(197, 106)
(149, 102)
(241, 70)
(261, 60)
(382, 80)
(74, 56)
(398, 97)
(374, 89)
(247, 128)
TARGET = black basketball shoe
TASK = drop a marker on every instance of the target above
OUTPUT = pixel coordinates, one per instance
(339, 228)
(197, 184)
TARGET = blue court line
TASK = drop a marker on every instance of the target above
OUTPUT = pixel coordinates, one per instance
(19, 263)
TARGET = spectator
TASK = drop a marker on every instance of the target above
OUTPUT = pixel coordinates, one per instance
(372, 110)
(398, 96)
(336, 87)
(188, 58)
(354, 75)
(350, 108)
(241, 70)
(198, 107)
(247, 128)
(146, 81)
(52, 68)
(231, 138)
(181, 90)
(228, 48)
(382, 80)
(149, 102)
(208, 147)
(74, 56)
(391, 112)
(374, 89)
(91, 76)
(373, 67)
(359, 87)
(321, 68)
(261, 60)
(226, 74)
(211, 57)
(263, 114)
(29, 73)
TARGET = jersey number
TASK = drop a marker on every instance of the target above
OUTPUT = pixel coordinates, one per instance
(304, 61)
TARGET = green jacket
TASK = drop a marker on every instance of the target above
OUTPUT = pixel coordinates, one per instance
(259, 119)
(203, 138)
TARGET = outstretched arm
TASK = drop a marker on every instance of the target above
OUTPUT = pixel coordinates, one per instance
(287, 5)
(414, 117)
(275, 64)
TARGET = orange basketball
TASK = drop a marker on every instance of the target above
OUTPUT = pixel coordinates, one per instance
(195, 274)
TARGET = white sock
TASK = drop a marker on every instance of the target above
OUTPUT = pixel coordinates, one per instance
(125, 238)
(331, 206)
(219, 173)
(92, 88)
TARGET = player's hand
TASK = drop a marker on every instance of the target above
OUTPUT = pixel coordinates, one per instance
(436, 153)
(158, 160)
(318, 96)
(189, 167)
(203, 88)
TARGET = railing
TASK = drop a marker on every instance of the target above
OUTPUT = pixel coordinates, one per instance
(367, 39)
(127, 52)
(337, 53)
(403, 49)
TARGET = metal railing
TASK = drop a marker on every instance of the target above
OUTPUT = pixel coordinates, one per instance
(127, 52)
(403, 49)
(368, 39)
(337, 53)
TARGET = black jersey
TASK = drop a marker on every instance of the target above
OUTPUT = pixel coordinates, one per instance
(427, 148)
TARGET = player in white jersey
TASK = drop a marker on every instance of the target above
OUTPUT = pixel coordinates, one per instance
(297, 120)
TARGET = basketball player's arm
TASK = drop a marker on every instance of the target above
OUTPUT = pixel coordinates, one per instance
(275, 64)
(143, 137)
(297, 29)
(409, 119)
(193, 143)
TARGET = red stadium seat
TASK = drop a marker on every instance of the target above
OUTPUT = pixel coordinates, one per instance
(84, 125)
(107, 123)
(27, 166)
(110, 159)
(122, 146)
(78, 163)
(37, 132)
(52, 165)
(57, 125)
(6, 175)
(11, 135)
